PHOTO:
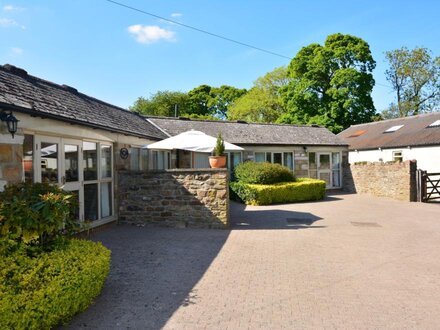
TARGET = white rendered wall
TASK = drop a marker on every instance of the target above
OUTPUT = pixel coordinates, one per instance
(428, 158)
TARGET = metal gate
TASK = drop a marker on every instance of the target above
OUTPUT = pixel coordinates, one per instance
(428, 187)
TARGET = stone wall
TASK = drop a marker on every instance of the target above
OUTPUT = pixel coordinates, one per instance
(175, 198)
(395, 180)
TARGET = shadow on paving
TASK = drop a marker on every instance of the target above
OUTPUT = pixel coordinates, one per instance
(153, 273)
(272, 218)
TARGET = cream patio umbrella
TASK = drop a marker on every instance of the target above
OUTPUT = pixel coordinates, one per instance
(192, 141)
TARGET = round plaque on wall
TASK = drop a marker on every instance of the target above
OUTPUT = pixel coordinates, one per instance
(123, 153)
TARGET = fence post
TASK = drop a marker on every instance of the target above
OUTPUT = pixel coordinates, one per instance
(419, 185)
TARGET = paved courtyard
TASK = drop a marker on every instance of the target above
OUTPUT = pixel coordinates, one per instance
(349, 262)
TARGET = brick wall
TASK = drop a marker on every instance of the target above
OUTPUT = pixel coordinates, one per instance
(394, 180)
(175, 198)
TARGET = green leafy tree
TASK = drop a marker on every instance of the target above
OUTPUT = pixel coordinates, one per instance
(162, 103)
(415, 77)
(213, 101)
(200, 99)
(224, 97)
(263, 102)
(331, 85)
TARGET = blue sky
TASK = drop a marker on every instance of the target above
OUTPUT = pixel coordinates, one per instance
(117, 55)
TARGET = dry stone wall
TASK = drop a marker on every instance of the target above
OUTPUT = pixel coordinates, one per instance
(175, 198)
(395, 180)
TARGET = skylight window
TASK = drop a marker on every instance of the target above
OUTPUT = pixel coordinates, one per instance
(393, 129)
(435, 124)
(357, 133)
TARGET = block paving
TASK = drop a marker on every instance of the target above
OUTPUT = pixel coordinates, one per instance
(296, 266)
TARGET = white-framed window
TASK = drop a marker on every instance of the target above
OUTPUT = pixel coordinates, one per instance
(161, 159)
(98, 180)
(282, 158)
(233, 159)
(138, 159)
(397, 156)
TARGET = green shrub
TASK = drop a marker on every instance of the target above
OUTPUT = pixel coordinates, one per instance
(43, 291)
(35, 213)
(303, 189)
(263, 173)
(219, 149)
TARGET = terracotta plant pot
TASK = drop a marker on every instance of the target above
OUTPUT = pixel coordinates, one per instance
(217, 161)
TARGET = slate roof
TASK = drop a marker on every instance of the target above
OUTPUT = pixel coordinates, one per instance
(251, 133)
(22, 92)
(414, 132)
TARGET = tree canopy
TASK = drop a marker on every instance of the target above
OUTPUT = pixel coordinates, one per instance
(331, 85)
(204, 102)
(263, 102)
(415, 78)
(162, 103)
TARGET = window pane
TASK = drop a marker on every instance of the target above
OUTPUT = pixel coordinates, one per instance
(201, 160)
(324, 161)
(144, 158)
(134, 159)
(89, 160)
(336, 178)
(268, 157)
(160, 160)
(288, 160)
(335, 160)
(71, 162)
(49, 162)
(312, 160)
(277, 158)
(106, 199)
(91, 202)
(75, 201)
(28, 158)
(235, 159)
(326, 177)
(260, 157)
(106, 161)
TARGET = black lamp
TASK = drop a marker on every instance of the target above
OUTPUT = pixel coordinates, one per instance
(11, 122)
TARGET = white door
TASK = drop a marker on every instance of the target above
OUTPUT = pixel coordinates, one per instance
(324, 168)
(71, 173)
(58, 161)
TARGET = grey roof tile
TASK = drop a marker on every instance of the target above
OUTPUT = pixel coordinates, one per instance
(43, 98)
(252, 133)
(414, 132)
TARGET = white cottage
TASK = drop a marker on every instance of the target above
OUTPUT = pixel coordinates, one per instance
(408, 138)
(68, 138)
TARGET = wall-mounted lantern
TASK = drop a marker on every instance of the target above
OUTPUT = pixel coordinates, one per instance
(10, 120)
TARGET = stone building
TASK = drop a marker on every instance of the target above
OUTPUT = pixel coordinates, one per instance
(54, 133)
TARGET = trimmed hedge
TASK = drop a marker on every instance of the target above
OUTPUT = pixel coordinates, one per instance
(262, 173)
(43, 291)
(303, 189)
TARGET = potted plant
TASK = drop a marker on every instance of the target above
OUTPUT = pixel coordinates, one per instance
(219, 158)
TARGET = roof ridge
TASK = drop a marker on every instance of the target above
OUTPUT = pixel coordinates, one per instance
(398, 119)
(63, 87)
(230, 121)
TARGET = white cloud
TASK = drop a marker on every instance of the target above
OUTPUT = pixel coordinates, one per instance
(10, 8)
(176, 15)
(8, 22)
(16, 50)
(148, 34)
